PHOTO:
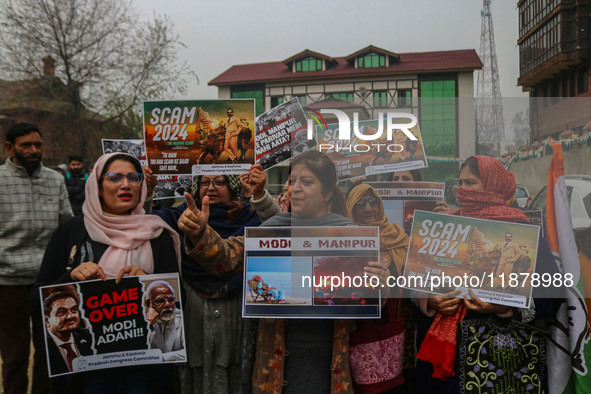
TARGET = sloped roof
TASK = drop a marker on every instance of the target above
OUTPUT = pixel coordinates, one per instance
(409, 63)
(371, 48)
(305, 53)
(45, 93)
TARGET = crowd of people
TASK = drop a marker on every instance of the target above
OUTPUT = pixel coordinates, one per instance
(113, 232)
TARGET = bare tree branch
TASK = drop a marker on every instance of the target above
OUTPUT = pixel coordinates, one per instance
(105, 55)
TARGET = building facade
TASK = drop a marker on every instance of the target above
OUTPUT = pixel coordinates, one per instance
(438, 87)
(554, 60)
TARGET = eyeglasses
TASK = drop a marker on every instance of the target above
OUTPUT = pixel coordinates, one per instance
(134, 178)
(217, 184)
(373, 202)
(161, 300)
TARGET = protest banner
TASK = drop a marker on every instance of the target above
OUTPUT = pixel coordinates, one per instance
(401, 199)
(357, 157)
(167, 186)
(199, 137)
(495, 259)
(135, 148)
(281, 134)
(310, 272)
(100, 324)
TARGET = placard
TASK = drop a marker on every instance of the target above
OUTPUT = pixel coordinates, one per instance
(401, 199)
(281, 134)
(310, 272)
(357, 157)
(199, 137)
(100, 324)
(167, 186)
(495, 259)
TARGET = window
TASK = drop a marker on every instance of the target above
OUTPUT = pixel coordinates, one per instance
(582, 81)
(276, 100)
(380, 99)
(302, 100)
(438, 126)
(371, 60)
(554, 92)
(405, 98)
(309, 64)
(256, 94)
(345, 96)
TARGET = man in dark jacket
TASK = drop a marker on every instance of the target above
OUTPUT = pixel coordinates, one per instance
(75, 183)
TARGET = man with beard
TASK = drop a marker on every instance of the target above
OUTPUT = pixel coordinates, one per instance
(33, 202)
(76, 179)
(66, 340)
(166, 322)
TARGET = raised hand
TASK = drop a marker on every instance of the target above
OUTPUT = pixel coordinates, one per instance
(256, 179)
(193, 221)
(150, 180)
(379, 270)
(442, 207)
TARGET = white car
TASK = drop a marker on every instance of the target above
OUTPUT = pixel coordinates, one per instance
(522, 195)
(578, 191)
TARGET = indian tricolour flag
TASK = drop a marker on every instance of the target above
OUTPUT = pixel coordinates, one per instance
(568, 345)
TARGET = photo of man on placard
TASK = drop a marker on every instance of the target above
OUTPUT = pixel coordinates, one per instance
(66, 340)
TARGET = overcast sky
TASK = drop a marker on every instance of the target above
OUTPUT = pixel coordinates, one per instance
(221, 33)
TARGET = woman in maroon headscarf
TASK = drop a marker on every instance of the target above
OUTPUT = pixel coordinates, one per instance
(485, 191)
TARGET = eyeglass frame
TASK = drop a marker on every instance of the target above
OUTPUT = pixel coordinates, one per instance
(373, 202)
(133, 182)
(205, 184)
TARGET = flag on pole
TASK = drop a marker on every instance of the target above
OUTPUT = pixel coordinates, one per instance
(568, 346)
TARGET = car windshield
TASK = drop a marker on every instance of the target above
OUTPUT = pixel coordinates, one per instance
(540, 200)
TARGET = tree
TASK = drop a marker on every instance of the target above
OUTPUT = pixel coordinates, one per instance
(520, 126)
(107, 58)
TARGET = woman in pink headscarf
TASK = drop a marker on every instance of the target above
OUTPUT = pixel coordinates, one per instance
(114, 238)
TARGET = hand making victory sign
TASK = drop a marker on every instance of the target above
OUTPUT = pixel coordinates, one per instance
(193, 221)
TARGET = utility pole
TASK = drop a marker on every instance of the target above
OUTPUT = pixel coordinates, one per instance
(490, 125)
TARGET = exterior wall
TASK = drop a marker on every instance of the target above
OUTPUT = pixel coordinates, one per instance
(567, 113)
(224, 92)
(532, 173)
(466, 116)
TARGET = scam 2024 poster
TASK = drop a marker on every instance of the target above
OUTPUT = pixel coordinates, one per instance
(199, 137)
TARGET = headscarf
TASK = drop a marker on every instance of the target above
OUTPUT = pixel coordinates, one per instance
(393, 239)
(492, 203)
(127, 236)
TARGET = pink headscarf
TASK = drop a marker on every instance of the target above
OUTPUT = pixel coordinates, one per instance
(128, 236)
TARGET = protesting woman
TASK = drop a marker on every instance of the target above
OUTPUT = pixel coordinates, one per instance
(306, 355)
(114, 238)
(485, 189)
(366, 208)
(220, 344)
